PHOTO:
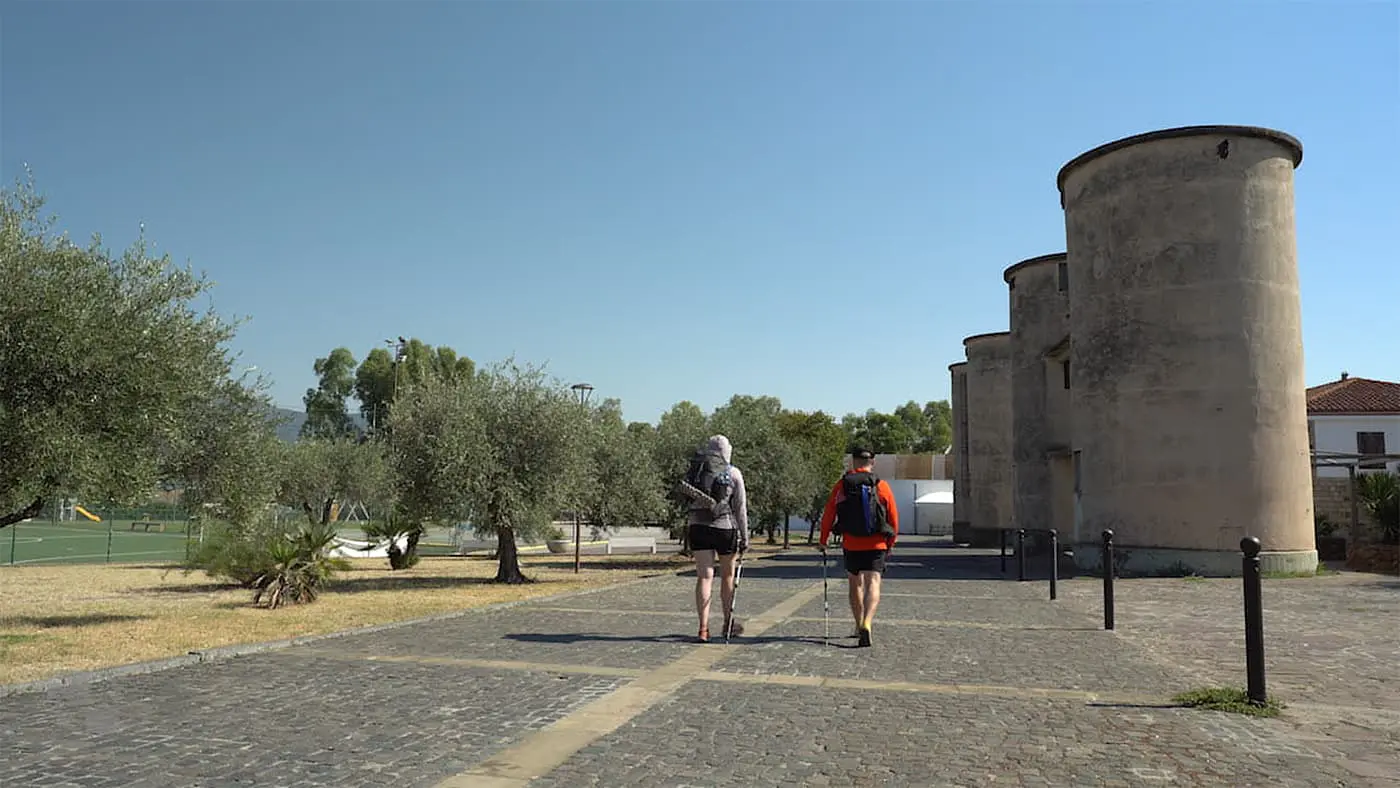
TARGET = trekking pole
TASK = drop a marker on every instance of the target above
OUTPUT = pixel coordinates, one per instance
(826, 606)
(733, 601)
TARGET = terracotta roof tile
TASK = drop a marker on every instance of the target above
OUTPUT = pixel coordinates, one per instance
(1355, 395)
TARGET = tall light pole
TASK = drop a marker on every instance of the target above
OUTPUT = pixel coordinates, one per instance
(400, 350)
(583, 391)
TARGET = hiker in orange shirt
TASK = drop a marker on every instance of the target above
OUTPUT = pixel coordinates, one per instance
(861, 508)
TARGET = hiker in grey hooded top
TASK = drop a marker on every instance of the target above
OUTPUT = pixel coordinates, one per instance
(721, 536)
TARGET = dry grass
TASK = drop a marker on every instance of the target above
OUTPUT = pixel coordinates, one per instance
(57, 619)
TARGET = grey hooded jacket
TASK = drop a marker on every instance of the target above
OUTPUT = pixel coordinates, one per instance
(738, 515)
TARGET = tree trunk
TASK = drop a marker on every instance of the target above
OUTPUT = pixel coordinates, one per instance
(32, 510)
(787, 531)
(508, 556)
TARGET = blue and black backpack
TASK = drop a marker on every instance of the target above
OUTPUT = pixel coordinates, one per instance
(860, 512)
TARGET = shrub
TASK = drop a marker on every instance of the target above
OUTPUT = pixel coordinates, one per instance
(240, 553)
(300, 566)
(1379, 494)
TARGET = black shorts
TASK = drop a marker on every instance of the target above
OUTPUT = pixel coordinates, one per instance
(865, 561)
(724, 541)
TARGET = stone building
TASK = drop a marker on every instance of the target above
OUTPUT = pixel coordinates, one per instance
(1175, 325)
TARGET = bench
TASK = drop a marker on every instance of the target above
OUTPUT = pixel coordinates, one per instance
(648, 542)
(147, 524)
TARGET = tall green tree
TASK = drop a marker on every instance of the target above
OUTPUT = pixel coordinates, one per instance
(623, 487)
(379, 377)
(940, 427)
(227, 456)
(317, 474)
(679, 432)
(821, 444)
(327, 415)
(536, 453)
(770, 464)
(439, 453)
(103, 362)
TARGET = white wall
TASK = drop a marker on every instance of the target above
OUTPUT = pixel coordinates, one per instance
(1338, 434)
(910, 521)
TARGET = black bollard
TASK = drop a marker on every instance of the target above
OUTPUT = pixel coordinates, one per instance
(1108, 579)
(1054, 563)
(1003, 550)
(1021, 554)
(1253, 619)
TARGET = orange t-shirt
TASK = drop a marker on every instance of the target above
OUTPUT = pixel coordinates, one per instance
(855, 541)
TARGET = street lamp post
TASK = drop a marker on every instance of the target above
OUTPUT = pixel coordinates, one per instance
(583, 391)
(400, 350)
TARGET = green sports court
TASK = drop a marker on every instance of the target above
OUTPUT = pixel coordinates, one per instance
(87, 542)
(124, 541)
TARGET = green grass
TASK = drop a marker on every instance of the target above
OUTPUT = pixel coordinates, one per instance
(1231, 699)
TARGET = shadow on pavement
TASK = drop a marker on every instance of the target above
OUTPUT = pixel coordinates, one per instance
(574, 638)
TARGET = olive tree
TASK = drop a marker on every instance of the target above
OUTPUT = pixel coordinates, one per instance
(536, 454)
(105, 362)
(622, 487)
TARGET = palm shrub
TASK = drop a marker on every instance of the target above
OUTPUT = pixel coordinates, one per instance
(384, 531)
(236, 552)
(1379, 495)
(300, 566)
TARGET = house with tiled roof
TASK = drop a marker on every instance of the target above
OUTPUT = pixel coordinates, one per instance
(1351, 416)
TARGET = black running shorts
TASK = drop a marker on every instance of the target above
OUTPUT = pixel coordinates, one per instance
(865, 561)
(724, 541)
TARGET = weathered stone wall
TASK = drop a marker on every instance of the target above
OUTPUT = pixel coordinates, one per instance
(1332, 499)
(988, 403)
(1039, 322)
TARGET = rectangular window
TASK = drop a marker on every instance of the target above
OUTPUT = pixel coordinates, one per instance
(1064, 372)
(1372, 443)
(1063, 276)
(1312, 435)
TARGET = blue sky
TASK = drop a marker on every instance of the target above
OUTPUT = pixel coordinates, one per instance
(678, 200)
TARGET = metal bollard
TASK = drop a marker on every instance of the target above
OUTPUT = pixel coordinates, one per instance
(1108, 579)
(1003, 550)
(1021, 554)
(1054, 564)
(1253, 619)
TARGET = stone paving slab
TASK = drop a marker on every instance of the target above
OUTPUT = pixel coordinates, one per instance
(1330, 639)
(535, 634)
(678, 594)
(817, 737)
(939, 601)
(407, 706)
(282, 719)
(1092, 661)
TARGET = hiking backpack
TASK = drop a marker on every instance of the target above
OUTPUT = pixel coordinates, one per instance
(859, 510)
(706, 482)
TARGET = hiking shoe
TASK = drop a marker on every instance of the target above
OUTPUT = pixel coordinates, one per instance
(864, 639)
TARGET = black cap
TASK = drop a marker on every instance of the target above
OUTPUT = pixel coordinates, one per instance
(862, 453)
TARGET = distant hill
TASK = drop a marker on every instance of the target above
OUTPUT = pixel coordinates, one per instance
(290, 428)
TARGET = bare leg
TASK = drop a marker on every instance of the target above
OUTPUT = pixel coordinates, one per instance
(857, 597)
(726, 583)
(704, 574)
(870, 582)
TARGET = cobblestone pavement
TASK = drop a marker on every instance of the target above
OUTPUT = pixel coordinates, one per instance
(973, 680)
